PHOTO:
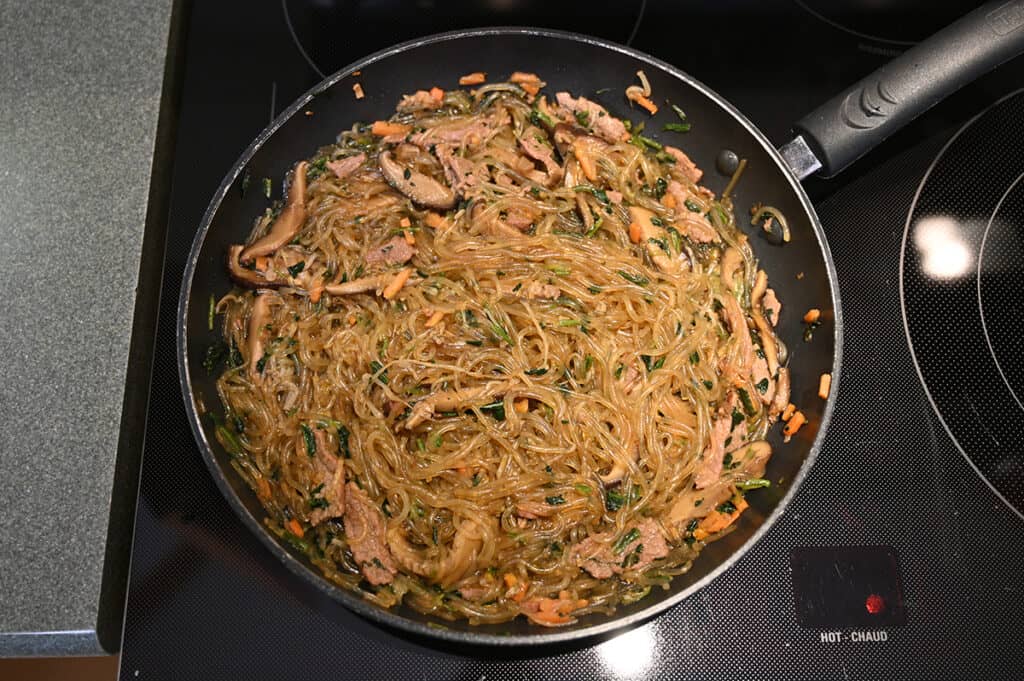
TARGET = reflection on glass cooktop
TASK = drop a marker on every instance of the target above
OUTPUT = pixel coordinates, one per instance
(908, 561)
(963, 263)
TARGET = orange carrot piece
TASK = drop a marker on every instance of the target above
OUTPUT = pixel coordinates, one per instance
(646, 103)
(788, 412)
(522, 406)
(358, 90)
(315, 293)
(475, 78)
(586, 160)
(434, 320)
(262, 263)
(812, 315)
(264, 489)
(409, 238)
(793, 424)
(668, 201)
(351, 320)
(434, 220)
(716, 521)
(385, 128)
(824, 386)
(523, 77)
(295, 527)
(531, 88)
(392, 289)
(635, 233)
(510, 579)
(404, 222)
(437, 94)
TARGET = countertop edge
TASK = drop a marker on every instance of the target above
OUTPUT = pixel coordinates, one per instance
(103, 636)
(51, 643)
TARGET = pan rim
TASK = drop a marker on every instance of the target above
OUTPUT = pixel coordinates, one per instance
(387, 617)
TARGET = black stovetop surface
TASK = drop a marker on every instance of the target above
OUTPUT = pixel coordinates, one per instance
(893, 507)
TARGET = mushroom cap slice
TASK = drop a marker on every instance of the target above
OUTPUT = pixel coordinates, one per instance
(287, 224)
(245, 277)
(423, 190)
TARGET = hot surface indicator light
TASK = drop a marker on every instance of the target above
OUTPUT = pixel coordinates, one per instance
(874, 604)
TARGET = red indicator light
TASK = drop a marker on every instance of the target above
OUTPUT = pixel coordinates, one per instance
(874, 604)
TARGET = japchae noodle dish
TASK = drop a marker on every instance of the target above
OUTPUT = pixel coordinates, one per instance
(500, 355)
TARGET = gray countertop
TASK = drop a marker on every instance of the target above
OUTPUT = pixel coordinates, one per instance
(80, 95)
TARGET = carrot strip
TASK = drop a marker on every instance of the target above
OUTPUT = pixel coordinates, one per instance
(788, 412)
(531, 88)
(645, 102)
(358, 89)
(295, 527)
(824, 386)
(635, 232)
(264, 489)
(392, 289)
(716, 521)
(434, 320)
(475, 78)
(793, 425)
(668, 201)
(404, 222)
(262, 263)
(409, 238)
(351, 320)
(585, 159)
(521, 77)
(437, 93)
(434, 220)
(812, 315)
(315, 293)
(521, 406)
(385, 128)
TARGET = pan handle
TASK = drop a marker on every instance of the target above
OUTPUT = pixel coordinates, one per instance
(850, 124)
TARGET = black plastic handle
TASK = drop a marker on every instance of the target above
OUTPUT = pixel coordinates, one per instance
(852, 123)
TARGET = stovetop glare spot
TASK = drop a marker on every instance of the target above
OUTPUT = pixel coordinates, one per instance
(963, 262)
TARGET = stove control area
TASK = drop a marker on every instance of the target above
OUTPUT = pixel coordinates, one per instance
(839, 588)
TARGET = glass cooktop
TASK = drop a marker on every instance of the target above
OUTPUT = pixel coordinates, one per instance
(900, 555)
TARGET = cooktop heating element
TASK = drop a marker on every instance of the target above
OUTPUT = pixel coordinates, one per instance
(962, 268)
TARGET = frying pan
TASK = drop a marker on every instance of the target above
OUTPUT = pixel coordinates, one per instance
(801, 271)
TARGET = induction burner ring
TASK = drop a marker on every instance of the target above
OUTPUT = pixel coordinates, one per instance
(961, 258)
(981, 305)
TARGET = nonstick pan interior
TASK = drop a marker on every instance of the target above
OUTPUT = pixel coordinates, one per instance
(801, 271)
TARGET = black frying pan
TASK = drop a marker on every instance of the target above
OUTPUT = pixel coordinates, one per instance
(801, 271)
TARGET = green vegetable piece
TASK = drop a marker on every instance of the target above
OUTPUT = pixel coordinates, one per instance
(748, 404)
(343, 436)
(753, 483)
(307, 437)
(495, 409)
(376, 368)
(634, 279)
(614, 500)
(625, 540)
